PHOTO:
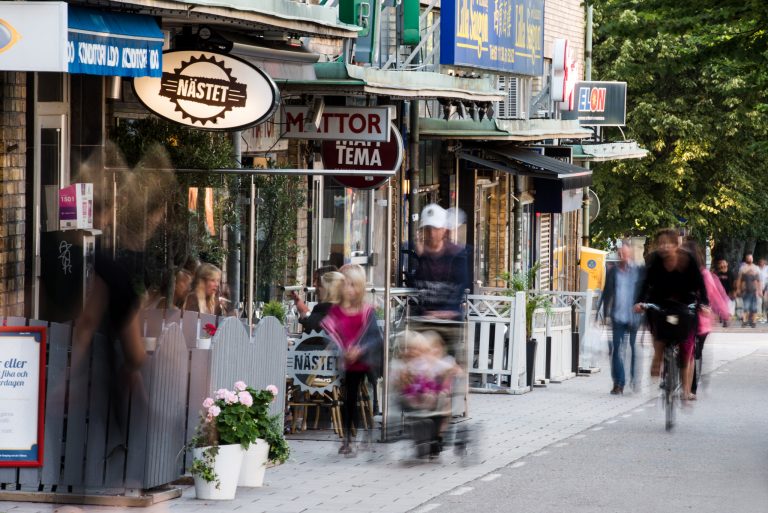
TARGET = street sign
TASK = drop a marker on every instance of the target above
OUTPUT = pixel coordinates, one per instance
(599, 103)
(209, 91)
(364, 155)
(314, 363)
(337, 123)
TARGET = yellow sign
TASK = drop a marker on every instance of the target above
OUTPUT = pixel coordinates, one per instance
(593, 263)
(8, 35)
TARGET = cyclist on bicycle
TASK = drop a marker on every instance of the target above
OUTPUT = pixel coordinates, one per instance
(673, 282)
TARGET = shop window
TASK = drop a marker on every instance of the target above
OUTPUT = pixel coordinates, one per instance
(345, 229)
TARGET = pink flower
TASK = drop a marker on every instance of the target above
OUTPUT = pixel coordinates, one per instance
(214, 411)
(221, 393)
(246, 399)
(240, 386)
(230, 397)
(208, 402)
(272, 389)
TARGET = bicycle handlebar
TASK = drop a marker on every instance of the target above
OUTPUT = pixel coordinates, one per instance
(653, 306)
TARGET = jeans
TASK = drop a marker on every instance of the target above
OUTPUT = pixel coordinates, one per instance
(620, 331)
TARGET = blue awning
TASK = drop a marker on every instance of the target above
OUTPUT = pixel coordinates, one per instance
(114, 44)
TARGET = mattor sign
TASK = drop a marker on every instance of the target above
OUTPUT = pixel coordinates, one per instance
(338, 123)
(314, 363)
(209, 90)
(364, 155)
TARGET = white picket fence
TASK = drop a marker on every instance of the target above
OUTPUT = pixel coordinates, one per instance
(495, 343)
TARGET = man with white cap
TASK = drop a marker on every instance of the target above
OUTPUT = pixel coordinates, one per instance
(441, 277)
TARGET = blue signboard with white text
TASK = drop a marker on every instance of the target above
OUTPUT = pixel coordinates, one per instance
(499, 35)
(113, 44)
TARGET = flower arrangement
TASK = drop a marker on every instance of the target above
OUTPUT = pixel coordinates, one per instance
(209, 329)
(238, 416)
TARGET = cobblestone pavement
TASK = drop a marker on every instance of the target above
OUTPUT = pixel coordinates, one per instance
(317, 479)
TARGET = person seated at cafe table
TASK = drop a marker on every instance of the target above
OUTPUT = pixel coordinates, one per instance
(204, 297)
(311, 320)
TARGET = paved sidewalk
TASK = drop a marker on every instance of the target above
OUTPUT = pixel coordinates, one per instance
(317, 479)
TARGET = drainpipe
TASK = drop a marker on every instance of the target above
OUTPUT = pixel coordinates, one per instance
(413, 197)
(517, 264)
(235, 244)
(588, 77)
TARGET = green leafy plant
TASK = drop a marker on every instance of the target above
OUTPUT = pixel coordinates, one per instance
(525, 281)
(279, 450)
(204, 467)
(274, 309)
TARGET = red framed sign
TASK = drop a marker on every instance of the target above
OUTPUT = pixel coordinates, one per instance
(22, 395)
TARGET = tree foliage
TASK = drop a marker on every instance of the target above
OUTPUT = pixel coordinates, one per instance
(696, 74)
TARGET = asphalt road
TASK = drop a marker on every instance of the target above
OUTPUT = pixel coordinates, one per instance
(715, 460)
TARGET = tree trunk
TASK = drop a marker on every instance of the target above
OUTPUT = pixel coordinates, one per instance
(732, 250)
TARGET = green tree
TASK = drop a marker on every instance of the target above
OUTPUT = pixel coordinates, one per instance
(697, 77)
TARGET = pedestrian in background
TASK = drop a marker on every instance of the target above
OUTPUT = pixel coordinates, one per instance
(763, 265)
(352, 325)
(749, 289)
(204, 297)
(622, 287)
(718, 303)
(726, 281)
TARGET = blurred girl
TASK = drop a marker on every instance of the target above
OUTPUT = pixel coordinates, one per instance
(352, 324)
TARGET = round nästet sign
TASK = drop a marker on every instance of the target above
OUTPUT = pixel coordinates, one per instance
(209, 90)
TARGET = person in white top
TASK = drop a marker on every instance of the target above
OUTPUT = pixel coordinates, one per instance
(762, 264)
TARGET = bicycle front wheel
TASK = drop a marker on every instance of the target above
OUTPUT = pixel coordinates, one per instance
(671, 385)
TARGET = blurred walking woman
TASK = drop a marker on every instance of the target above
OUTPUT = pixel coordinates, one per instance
(352, 324)
(204, 297)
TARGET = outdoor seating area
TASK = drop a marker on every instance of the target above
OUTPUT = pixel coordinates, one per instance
(104, 436)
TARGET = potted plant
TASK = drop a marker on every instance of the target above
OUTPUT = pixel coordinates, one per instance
(525, 281)
(274, 309)
(227, 428)
(204, 340)
(270, 444)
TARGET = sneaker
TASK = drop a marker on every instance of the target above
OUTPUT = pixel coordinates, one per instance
(345, 448)
(617, 390)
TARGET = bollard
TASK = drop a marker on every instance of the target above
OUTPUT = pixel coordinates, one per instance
(548, 359)
(530, 362)
(574, 341)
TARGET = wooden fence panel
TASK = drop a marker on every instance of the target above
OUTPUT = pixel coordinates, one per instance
(59, 343)
(189, 327)
(167, 407)
(199, 384)
(233, 357)
(77, 411)
(271, 345)
(102, 382)
(136, 436)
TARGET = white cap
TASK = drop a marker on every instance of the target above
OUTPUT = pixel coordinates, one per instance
(434, 215)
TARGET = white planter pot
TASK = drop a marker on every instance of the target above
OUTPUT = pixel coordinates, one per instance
(254, 464)
(203, 343)
(150, 344)
(226, 465)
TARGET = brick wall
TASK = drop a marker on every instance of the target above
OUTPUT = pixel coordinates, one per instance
(565, 18)
(13, 164)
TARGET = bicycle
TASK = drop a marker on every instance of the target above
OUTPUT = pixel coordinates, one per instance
(673, 326)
